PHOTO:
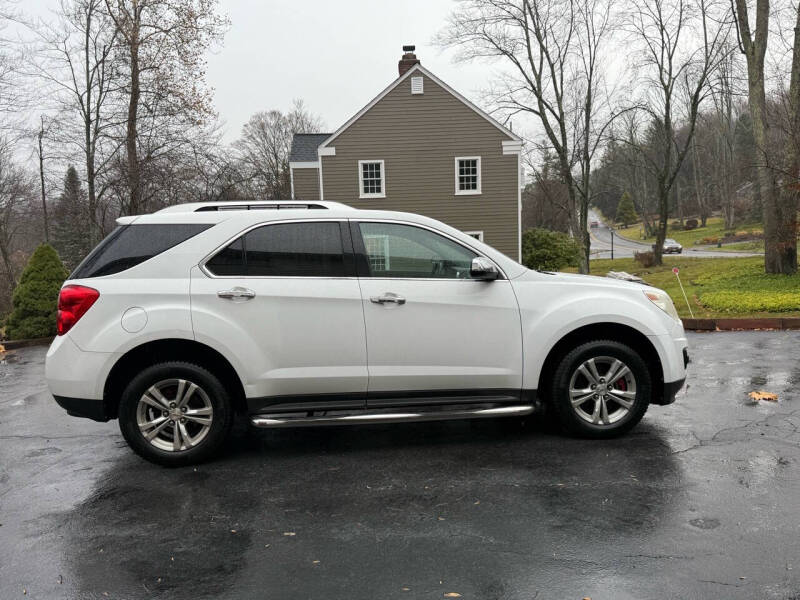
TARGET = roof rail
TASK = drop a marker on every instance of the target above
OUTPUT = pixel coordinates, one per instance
(255, 205)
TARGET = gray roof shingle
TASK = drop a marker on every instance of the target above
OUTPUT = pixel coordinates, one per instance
(304, 146)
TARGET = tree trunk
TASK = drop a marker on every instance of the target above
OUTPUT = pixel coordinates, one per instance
(663, 217)
(88, 142)
(134, 174)
(41, 181)
(780, 242)
(787, 199)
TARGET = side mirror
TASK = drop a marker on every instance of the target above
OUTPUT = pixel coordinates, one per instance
(483, 269)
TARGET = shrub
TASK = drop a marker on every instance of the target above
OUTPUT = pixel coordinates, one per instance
(36, 296)
(691, 224)
(646, 259)
(737, 301)
(549, 250)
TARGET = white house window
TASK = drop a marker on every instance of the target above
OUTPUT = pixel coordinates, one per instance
(478, 235)
(377, 247)
(372, 179)
(468, 175)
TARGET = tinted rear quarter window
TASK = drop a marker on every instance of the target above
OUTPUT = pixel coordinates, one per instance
(130, 245)
(285, 250)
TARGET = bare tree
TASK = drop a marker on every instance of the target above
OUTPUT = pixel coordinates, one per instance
(162, 43)
(682, 43)
(74, 56)
(554, 55)
(724, 144)
(264, 148)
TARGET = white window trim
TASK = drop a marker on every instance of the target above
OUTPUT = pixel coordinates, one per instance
(478, 234)
(361, 193)
(468, 192)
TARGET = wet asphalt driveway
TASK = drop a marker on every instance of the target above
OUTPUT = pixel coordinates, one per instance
(702, 500)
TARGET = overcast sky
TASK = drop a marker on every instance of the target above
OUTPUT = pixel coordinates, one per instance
(334, 55)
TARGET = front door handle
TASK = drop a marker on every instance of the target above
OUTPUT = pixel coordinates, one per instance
(388, 298)
(237, 292)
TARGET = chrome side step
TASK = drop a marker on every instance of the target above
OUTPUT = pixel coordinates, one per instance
(276, 420)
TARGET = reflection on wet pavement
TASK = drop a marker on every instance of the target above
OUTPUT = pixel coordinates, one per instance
(699, 501)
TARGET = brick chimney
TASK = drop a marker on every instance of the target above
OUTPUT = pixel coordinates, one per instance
(409, 59)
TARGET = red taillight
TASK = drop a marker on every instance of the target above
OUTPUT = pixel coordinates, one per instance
(73, 302)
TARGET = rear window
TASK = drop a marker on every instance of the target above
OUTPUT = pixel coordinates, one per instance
(285, 250)
(130, 245)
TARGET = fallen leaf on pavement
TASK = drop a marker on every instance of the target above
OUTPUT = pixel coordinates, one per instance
(289, 533)
(452, 595)
(760, 395)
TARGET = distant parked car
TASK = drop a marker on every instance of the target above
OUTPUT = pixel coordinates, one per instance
(594, 224)
(672, 247)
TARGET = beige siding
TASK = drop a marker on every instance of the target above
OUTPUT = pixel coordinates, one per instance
(418, 138)
(306, 184)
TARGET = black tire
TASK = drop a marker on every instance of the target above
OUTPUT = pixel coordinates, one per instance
(211, 392)
(561, 402)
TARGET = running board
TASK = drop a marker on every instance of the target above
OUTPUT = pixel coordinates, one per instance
(272, 421)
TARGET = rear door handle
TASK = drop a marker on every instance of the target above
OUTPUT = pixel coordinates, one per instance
(237, 292)
(388, 298)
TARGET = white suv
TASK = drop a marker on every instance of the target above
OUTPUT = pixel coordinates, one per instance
(318, 314)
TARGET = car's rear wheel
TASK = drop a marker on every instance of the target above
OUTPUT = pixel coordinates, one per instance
(600, 389)
(175, 414)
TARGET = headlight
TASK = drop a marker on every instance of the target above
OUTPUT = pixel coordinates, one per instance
(663, 301)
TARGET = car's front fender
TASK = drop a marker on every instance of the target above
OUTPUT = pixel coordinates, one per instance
(551, 312)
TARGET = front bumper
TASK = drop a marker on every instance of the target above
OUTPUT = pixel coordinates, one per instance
(671, 389)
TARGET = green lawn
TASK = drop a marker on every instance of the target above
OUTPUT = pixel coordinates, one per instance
(717, 287)
(715, 228)
(752, 246)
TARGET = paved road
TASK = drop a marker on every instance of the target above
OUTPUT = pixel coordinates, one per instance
(699, 501)
(624, 248)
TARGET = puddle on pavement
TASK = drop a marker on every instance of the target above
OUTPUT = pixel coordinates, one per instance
(9, 357)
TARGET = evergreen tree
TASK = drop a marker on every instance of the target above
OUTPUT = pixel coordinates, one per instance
(626, 212)
(35, 298)
(71, 222)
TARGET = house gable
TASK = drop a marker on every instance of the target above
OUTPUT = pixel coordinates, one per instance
(327, 148)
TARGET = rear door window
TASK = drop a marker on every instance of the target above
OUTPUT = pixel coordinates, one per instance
(130, 245)
(314, 249)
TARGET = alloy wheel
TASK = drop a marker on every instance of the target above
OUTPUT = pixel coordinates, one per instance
(602, 390)
(174, 415)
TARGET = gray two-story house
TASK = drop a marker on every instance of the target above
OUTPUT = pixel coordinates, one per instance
(419, 146)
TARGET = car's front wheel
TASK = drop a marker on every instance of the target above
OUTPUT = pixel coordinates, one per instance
(175, 413)
(600, 389)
